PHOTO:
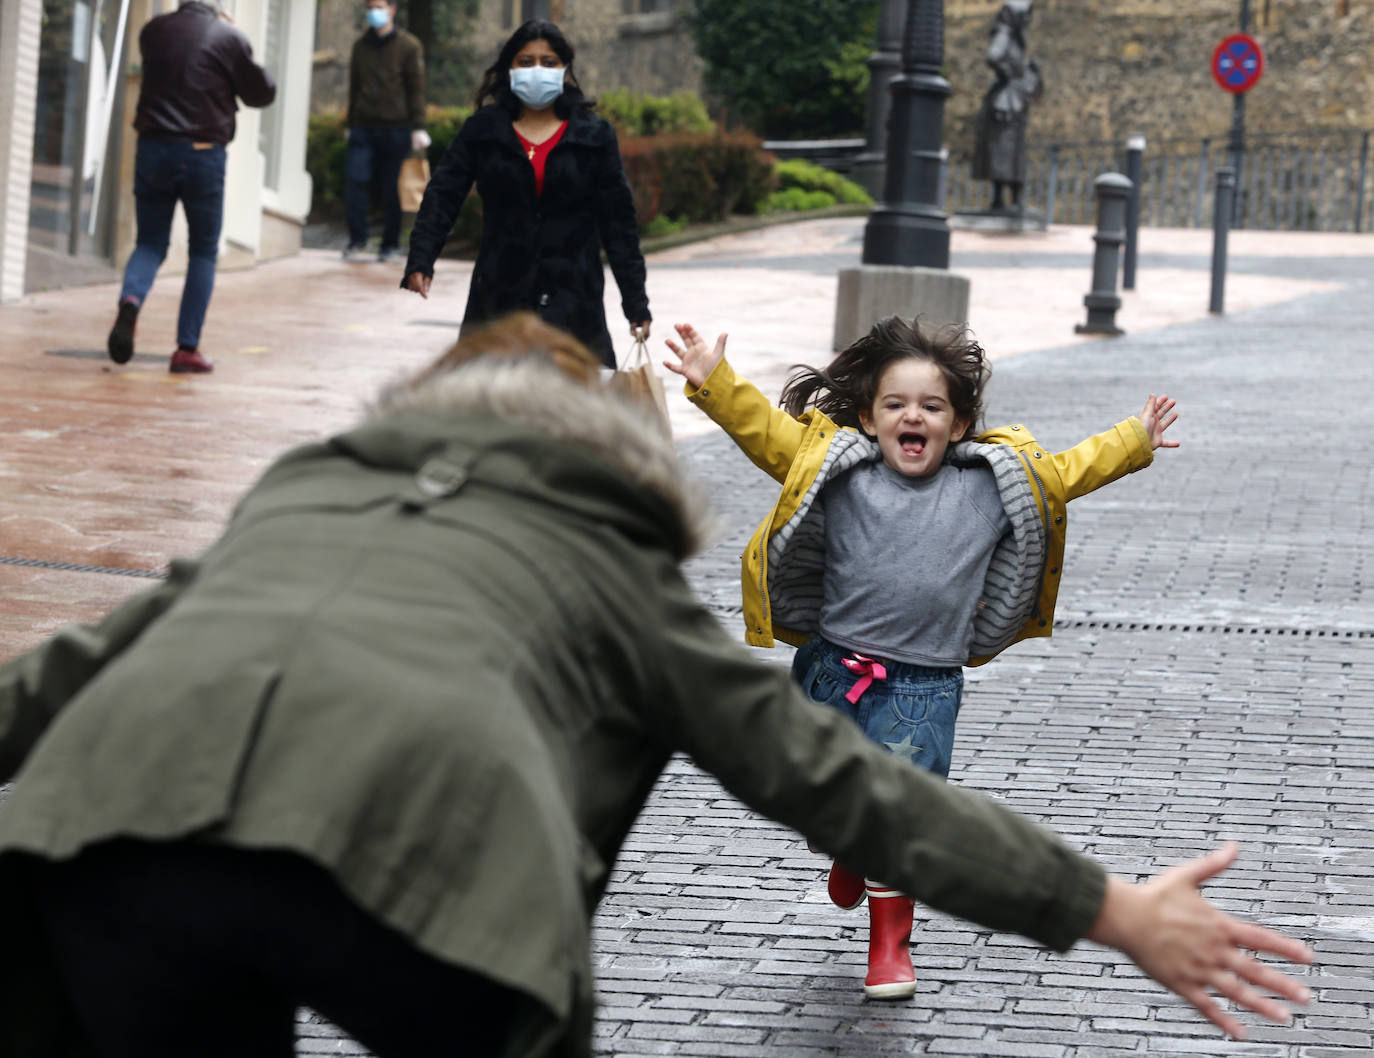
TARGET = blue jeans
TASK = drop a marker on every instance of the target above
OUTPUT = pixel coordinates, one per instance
(167, 172)
(911, 712)
(379, 153)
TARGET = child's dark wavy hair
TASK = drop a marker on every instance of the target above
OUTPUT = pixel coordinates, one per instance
(495, 84)
(849, 383)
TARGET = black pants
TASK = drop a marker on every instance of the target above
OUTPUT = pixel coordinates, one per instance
(374, 154)
(172, 949)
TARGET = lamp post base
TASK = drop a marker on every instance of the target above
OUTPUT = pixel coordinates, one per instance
(909, 234)
(870, 292)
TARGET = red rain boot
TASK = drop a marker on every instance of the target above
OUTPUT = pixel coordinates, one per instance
(846, 888)
(890, 975)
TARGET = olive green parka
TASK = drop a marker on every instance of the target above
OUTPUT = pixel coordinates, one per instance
(446, 656)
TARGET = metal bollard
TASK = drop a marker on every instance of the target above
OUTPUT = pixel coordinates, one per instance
(1221, 227)
(1112, 190)
(1135, 147)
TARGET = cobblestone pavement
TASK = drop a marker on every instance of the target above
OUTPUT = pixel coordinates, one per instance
(1211, 677)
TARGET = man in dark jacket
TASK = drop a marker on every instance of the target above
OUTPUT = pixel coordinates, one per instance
(376, 751)
(386, 122)
(195, 62)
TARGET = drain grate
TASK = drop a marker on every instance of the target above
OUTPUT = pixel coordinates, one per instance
(1215, 629)
(727, 611)
(99, 354)
(77, 567)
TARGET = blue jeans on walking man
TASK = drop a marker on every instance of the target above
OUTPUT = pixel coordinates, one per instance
(375, 153)
(167, 172)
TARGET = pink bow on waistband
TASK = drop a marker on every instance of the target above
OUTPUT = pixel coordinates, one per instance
(867, 670)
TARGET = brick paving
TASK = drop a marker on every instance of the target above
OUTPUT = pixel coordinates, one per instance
(1210, 677)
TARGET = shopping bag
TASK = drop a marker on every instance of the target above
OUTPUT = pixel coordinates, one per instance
(640, 382)
(411, 184)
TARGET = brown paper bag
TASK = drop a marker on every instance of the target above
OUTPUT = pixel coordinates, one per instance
(411, 184)
(640, 382)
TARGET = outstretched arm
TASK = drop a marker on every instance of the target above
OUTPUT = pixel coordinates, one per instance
(695, 359)
(766, 434)
(1171, 932)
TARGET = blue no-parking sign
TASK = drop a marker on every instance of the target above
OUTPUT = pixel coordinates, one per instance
(1238, 62)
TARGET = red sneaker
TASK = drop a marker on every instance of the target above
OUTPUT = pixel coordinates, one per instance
(846, 888)
(189, 362)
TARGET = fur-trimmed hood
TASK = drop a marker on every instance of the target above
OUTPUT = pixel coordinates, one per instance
(534, 403)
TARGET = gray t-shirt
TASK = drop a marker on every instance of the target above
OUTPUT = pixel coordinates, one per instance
(905, 560)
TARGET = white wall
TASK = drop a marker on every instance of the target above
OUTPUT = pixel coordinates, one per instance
(292, 195)
(243, 175)
(20, 27)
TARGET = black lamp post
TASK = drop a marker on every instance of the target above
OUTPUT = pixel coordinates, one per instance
(910, 227)
(883, 65)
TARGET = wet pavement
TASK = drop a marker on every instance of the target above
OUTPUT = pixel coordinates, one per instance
(1211, 674)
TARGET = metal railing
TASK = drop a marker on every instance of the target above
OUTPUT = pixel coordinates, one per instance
(1297, 181)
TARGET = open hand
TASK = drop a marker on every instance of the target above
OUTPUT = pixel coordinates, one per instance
(1193, 949)
(419, 282)
(695, 359)
(1157, 417)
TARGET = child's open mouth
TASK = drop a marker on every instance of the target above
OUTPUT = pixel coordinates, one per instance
(911, 444)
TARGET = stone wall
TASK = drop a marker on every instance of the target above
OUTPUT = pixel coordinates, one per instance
(1113, 67)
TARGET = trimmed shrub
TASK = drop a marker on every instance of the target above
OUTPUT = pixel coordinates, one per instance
(663, 224)
(808, 176)
(697, 178)
(797, 200)
(326, 144)
(636, 114)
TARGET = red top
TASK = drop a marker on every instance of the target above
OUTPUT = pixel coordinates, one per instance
(538, 154)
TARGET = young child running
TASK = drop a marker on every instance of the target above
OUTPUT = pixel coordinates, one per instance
(898, 552)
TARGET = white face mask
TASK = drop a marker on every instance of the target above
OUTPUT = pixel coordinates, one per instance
(537, 86)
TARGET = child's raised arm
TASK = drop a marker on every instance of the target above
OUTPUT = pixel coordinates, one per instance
(1157, 417)
(695, 359)
(766, 434)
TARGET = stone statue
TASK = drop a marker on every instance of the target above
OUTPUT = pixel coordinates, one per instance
(999, 152)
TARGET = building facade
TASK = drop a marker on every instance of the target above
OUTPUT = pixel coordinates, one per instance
(69, 80)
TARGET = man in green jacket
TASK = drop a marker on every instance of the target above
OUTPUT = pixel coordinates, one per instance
(386, 122)
(375, 752)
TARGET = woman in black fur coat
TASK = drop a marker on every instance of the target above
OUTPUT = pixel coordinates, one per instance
(553, 194)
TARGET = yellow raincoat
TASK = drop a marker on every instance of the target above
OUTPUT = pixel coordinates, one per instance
(799, 453)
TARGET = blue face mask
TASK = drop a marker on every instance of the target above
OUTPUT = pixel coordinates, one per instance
(378, 17)
(537, 86)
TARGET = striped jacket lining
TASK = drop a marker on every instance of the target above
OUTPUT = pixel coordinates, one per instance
(796, 551)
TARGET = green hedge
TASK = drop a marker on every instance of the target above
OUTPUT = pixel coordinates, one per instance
(796, 200)
(636, 114)
(677, 177)
(697, 177)
(806, 176)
